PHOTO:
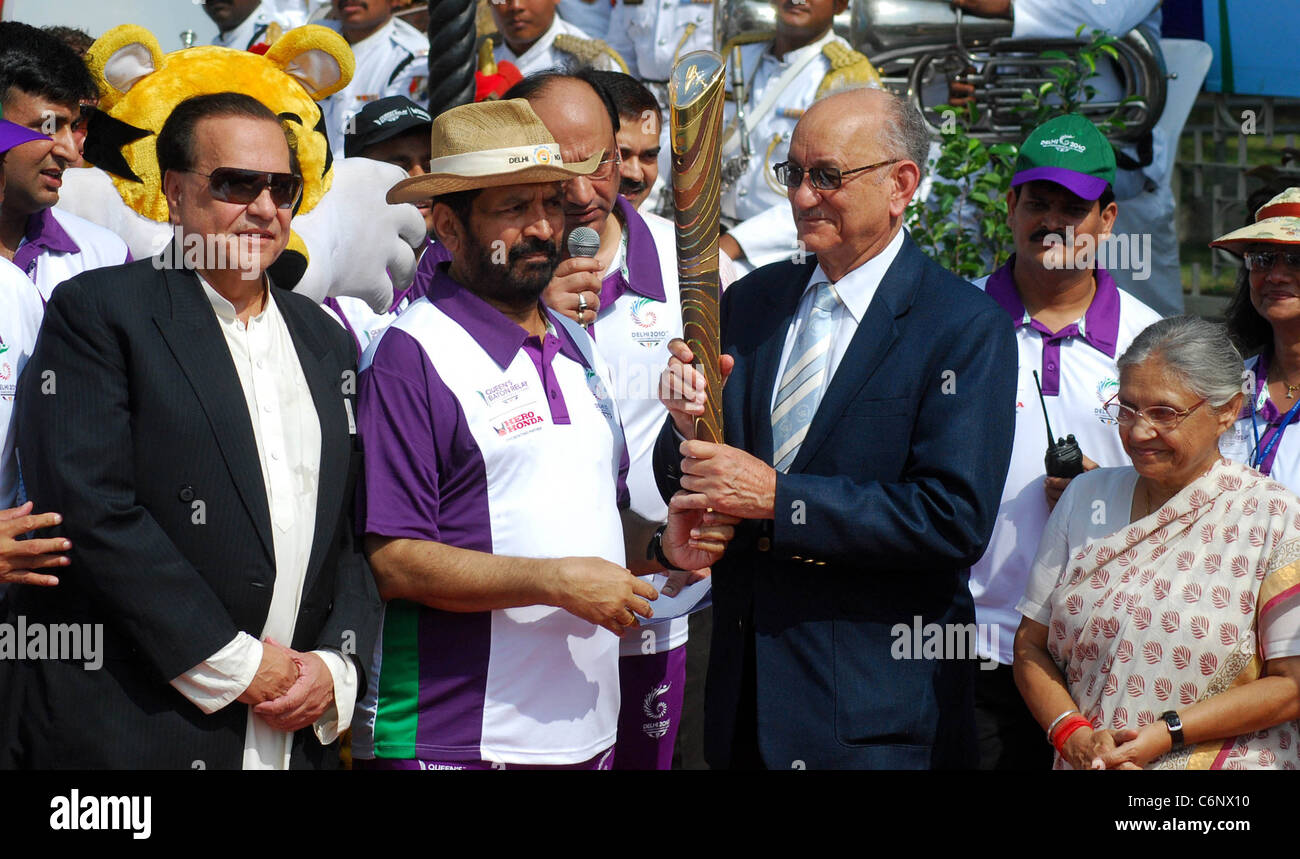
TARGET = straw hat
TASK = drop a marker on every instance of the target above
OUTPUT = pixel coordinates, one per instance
(489, 144)
(1276, 222)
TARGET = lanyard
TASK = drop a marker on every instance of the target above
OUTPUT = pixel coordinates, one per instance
(1261, 456)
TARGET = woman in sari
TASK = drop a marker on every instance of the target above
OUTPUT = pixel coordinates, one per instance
(1161, 624)
(1264, 319)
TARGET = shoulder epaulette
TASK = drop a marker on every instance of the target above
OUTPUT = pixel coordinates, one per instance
(587, 50)
(848, 69)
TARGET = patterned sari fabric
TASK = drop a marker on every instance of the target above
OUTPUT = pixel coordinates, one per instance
(1167, 611)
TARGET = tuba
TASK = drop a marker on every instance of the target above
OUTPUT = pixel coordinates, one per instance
(917, 45)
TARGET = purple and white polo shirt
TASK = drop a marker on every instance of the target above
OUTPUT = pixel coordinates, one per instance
(479, 436)
(1077, 368)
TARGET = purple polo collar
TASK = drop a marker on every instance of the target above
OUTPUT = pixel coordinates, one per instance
(642, 262)
(1100, 320)
(499, 336)
(44, 233)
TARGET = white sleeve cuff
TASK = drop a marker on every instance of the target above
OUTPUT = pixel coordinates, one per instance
(222, 677)
(338, 718)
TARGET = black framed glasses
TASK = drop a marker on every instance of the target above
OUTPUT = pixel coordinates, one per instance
(1265, 260)
(237, 185)
(1160, 417)
(790, 174)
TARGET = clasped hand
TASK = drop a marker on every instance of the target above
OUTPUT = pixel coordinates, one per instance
(291, 689)
(1125, 749)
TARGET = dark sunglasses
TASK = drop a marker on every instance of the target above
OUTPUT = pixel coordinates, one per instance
(1265, 260)
(790, 174)
(236, 185)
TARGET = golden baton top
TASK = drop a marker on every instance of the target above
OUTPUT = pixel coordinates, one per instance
(695, 98)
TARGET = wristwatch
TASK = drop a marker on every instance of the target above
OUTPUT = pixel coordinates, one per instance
(655, 550)
(1175, 725)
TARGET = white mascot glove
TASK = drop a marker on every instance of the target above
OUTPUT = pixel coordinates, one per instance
(356, 240)
(89, 192)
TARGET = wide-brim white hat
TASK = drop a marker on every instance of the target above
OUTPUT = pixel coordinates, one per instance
(486, 145)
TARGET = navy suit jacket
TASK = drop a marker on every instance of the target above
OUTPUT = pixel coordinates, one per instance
(890, 499)
(131, 415)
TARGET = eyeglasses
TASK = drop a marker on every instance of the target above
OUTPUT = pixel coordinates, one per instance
(790, 174)
(1265, 260)
(236, 185)
(1160, 417)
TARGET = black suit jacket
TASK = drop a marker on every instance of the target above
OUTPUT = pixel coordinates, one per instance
(132, 423)
(890, 499)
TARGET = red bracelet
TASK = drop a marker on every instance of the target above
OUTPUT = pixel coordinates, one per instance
(1064, 731)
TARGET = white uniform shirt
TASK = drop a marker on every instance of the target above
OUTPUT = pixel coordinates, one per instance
(651, 35)
(394, 60)
(20, 320)
(543, 55)
(589, 16)
(253, 28)
(59, 245)
(766, 231)
(1078, 375)
(286, 429)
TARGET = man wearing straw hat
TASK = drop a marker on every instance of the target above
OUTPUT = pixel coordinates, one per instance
(495, 481)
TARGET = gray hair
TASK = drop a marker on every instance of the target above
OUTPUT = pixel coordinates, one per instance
(1199, 353)
(903, 132)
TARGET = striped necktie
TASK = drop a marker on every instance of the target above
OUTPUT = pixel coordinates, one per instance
(804, 378)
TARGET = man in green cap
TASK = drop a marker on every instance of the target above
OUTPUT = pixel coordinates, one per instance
(1071, 321)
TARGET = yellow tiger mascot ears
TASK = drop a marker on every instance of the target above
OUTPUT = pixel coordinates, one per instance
(140, 85)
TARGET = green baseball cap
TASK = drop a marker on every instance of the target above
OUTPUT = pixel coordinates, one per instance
(1070, 151)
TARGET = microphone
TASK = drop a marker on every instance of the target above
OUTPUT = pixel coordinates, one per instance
(583, 242)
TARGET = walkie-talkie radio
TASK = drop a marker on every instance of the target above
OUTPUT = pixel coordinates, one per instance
(1064, 458)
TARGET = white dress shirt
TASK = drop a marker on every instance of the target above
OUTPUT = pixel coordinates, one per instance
(542, 55)
(393, 60)
(855, 291)
(286, 429)
(253, 29)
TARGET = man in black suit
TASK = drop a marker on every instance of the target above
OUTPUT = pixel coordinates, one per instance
(194, 424)
(868, 421)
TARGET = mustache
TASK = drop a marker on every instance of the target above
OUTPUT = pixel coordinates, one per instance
(629, 187)
(1040, 235)
(527, 247)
